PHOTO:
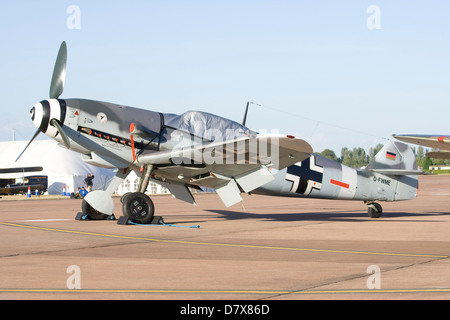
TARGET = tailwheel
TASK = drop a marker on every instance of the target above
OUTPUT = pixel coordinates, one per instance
(91, 212)
(374, 209)
(138, 207)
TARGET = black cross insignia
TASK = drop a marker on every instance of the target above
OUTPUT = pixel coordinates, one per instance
(305, 176)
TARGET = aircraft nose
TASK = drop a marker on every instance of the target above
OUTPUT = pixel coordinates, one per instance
(43, 112)
(32, 113)
(37, 114)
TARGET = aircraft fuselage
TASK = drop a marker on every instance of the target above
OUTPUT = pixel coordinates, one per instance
(100, 131)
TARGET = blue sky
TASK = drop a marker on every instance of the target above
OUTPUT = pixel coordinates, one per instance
(315, 67)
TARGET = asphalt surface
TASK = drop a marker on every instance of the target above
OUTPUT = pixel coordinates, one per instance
(266, 248)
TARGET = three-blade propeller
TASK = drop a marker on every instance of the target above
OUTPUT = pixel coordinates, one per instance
(56, 89)
(59, 73)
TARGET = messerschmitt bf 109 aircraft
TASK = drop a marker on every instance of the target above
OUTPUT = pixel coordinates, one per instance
(433, 141)
(198, 149)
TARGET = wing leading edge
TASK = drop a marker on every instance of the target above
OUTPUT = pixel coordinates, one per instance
(432, 141)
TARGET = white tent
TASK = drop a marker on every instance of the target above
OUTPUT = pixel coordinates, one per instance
(64, 168)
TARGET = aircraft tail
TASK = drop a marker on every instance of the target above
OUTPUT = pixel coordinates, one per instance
(397, 161)
(394, 157)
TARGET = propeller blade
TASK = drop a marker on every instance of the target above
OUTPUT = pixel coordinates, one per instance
(59, 73)
(35, 135)
(64, 136)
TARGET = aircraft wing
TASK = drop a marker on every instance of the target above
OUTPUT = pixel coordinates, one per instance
(229, 167)
(433, 141)
(439, 155)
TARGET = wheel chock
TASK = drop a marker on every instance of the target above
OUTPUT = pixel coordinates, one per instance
(85, 217)
(126, 221)
(123, 220)
(81, 216)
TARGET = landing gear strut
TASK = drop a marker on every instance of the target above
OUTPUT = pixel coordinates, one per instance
(136, 206)
(374, 209)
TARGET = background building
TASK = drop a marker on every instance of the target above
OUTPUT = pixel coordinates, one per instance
(131, 183)
(63, 168)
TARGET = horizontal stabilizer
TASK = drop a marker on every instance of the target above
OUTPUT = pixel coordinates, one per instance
(398, 172)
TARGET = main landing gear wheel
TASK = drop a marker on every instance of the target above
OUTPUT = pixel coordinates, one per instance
(138, 207)
(375, 210)
(91, 212)
(122, 198)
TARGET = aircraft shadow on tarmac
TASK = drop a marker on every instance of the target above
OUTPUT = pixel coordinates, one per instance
(348, 216)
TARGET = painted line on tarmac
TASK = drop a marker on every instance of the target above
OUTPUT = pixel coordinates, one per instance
(45, 220)
(168, 291)
(225, 244)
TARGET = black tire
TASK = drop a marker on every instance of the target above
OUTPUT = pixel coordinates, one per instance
(375, 210)
(138, 207)
(122, 198)
(91, 212)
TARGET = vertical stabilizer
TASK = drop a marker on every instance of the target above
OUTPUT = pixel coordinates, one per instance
(394, 156)
(397, 162)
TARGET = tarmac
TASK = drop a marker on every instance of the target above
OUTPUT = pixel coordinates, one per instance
(265, 248)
